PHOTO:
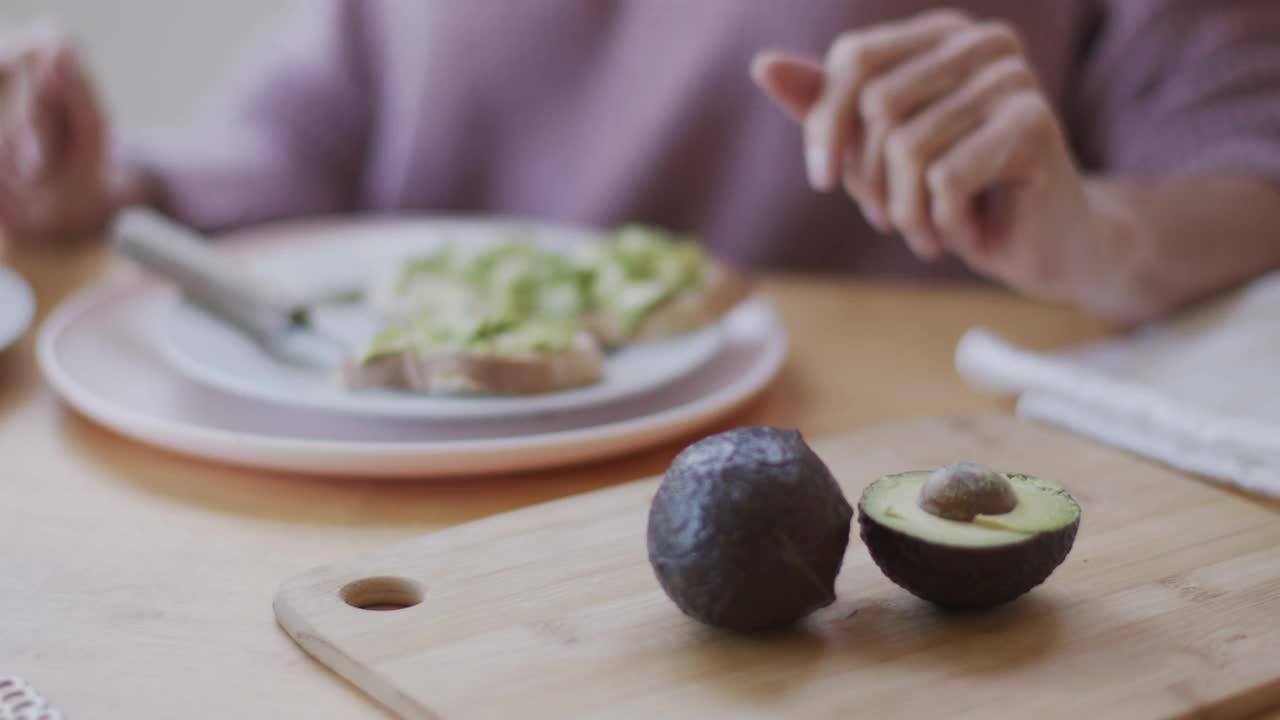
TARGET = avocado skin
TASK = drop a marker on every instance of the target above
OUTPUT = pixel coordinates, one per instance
(748, 530)
(964, 578)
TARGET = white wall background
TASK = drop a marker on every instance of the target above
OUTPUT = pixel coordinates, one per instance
(155, 59)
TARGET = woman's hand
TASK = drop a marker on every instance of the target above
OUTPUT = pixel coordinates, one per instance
(937, 127)
(54, 176)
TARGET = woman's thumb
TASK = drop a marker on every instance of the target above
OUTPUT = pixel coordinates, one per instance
(793, 82)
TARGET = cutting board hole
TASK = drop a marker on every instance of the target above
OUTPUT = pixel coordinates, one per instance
(382, 593)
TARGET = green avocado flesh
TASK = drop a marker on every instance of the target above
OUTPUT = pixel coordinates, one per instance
(473, 332)
(986, 562)
(514, 296)
(1043, 506)
(637, 269)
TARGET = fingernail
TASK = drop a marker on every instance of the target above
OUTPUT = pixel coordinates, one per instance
(922, 247)
(818, 164)
(30, 158)
(873, 216)
(757, 69)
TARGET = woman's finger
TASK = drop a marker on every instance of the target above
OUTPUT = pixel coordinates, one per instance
(15, 94)
(854, 60)
(80, 107)
(16, 117)
(908, 154)
(19, 44)
(895, 97)
(1005, 149)
(39, 140)
(10, 209)
(793, 82)
(915, 145)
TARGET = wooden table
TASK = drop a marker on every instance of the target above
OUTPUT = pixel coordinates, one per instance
(136, 583)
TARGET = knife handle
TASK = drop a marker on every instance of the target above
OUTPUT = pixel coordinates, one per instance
(207, 277)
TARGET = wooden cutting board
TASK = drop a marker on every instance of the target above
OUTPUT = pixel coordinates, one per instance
(1168, 606)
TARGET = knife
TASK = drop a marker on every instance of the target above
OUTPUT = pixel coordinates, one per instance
(314, 333)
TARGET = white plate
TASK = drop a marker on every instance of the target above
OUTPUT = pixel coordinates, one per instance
(17, 307)
(98, 353)
(215, 353)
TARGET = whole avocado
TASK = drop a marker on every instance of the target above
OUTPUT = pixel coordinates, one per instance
(748, 530)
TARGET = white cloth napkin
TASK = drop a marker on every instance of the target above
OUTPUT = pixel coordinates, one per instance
(1199, 392)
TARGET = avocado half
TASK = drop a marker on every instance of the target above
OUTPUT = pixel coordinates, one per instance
(748, 530)
(982, 562)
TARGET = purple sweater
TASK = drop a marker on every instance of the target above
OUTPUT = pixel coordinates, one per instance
(603, 112)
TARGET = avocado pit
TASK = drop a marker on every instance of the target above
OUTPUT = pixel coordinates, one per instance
(963, 491)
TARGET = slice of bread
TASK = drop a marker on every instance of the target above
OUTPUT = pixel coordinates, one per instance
(461, 371)
(722, 288)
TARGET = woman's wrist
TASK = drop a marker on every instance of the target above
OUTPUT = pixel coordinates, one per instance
(1155, 246)
(1119, 277)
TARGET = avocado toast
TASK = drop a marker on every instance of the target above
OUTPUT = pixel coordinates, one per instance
(512, 318)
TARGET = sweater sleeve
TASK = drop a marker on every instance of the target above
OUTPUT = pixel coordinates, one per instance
(290, 141)
(1181, 87)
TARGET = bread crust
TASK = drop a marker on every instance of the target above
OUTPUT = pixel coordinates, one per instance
(582, 363)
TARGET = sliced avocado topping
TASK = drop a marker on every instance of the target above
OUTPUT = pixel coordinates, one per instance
(514, 278)
(513, 296)
(637, 269)
(1042, 506)
(476, 332)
